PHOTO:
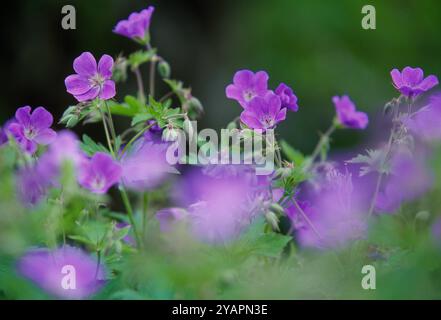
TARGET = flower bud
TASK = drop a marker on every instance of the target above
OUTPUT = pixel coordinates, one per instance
(169, 134)
(195, 104)
(72, 121)
(164, 69)
(276, 208)
(272, 220)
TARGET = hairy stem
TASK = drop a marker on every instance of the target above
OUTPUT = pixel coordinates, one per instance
(140, 84)
(323, 139)
(106, 130)
(129, 210)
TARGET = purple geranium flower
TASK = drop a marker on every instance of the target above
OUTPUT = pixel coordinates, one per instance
(66, 272)
(91, 80)
(347, 114)
(99, 173)
(154, 133)
(263, 112)
(247, 85)
(411, 82)
(425, 123)
(137, 25)
(31, 129)
(287, 97)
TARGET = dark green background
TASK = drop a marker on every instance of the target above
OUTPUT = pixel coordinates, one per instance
(316, 46)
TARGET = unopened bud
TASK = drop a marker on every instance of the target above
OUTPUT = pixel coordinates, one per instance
(169, 134)
(72, 121)
(195, 104)
(164, 69)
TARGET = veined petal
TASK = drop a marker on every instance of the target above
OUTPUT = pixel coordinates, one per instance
(23, 115)
(89, 95)
(76, 84)
(45, 136)
(85, 64)
(105, 66)
(41, 118)
(108, 91)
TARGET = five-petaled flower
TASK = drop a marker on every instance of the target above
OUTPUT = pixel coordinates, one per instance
(91, 80)
(263, 112)
(99, 173)
(247, 85)
(287, 97)
(411, 82)
(136, 26)
(31, 129)
(347, 114)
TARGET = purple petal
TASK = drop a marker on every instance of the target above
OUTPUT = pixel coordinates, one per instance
(89, 95)
(261, 81)
(76, 84)
(108, 91)
(428, 83)
(105, 66)
(249, 118)
(396, 78)
(243, 78)
(23, 115)
(41, 118)
(281, 115)
(85, 64)
(412, 76)
(45, 137)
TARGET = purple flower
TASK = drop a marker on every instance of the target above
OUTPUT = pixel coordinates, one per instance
(145, 166)
(408, 179)
(91, 81)
(263, 112)
(287, 97)
(99, 173)
(66, 272)
(136, 26)
(411, 82)
(335, 214)
(425, 123)
(3, 136)
(154, 133)
(247, 85)
(33, 182)
(219, 207)
(169, 217)
(347, 115)
(30, 130)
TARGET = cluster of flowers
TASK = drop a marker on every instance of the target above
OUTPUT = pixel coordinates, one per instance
(216, 203)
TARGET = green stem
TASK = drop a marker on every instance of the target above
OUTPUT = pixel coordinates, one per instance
(106, 130)
(152, 78)
(112, 126)
(145, 205)
(140, 84)
(323, 139)
(140, 133)
(129, 210)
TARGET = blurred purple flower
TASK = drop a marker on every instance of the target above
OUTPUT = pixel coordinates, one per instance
(91, 80)
(287, 97)
(247, 85)
(154, 133)
(347, 114)
(408, 179)
(219, 206)
(99, 173)
(145, 166)
(335, 214)
(66, 272)
(3, 136)
(33, 182)
(31, 129)
(425, 123)
(169, 217)
(263, 112)
(137, 25)
(411, 82)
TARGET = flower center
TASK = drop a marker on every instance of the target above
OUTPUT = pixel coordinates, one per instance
(268, 121)
(248, 95)
(97, 80)
(98, 183)
(30, 133)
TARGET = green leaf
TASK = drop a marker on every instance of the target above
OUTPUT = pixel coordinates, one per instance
(292, 154)
(81, 239)
(129, 108)
(90, 147)
(270, 244)
(140, 57)
(141, 117)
